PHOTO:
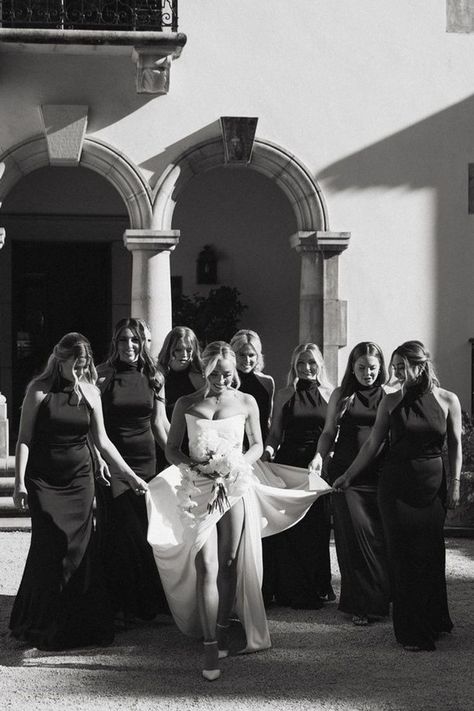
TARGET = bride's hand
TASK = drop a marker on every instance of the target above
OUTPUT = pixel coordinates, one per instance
(316, 464)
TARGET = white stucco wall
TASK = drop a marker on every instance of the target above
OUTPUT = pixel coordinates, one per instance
(374, 97)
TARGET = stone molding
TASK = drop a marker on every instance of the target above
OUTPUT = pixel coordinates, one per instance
(320, 241)
(64, 128)
(96, 155)
(283, 168)
(151, 240)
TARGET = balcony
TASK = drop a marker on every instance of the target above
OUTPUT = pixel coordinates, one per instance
(135, 15)
(147, 30)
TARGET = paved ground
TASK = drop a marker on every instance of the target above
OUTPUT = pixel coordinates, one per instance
(318, 661)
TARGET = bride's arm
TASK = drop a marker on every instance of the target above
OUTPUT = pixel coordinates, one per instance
(173, 451)
(253, 431)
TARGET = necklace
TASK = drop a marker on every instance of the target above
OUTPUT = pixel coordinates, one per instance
(220, 395)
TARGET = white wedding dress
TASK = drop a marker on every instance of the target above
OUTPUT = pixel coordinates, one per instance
(275, 497)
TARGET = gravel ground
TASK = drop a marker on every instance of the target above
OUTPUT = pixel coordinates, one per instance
(318, 661)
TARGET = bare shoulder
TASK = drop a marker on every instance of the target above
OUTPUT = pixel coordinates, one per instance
(447, 397)
(36, 393)
(91, 393)
(246, 399)
(185, 402)
(336, 394)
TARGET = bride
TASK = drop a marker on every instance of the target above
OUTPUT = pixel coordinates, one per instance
(208, 512)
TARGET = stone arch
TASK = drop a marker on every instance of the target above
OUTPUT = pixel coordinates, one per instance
(271, 160)
(96, 155)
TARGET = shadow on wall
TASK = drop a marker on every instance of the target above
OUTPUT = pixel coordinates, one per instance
(157, 164)
(433, 153)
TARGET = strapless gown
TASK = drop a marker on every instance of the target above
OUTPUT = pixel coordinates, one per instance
(275, 497)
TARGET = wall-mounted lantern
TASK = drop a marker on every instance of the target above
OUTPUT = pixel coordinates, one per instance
(3, 235)
(206, 267)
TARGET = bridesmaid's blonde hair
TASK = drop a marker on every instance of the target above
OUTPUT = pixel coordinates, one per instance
(312, 348)
(247, 337)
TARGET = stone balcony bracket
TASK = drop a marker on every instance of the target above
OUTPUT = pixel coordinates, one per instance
(331, 243)
(152, 52)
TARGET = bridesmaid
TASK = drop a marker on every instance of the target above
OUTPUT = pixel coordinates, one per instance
(360, 546)
(135, 417)
(180, 363)
(62, 602)
(412, 492)
(301, 574)
(247, 347)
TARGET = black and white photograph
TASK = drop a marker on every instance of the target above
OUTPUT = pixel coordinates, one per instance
(236, 355)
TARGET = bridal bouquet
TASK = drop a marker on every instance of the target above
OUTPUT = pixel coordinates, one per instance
(220, 460)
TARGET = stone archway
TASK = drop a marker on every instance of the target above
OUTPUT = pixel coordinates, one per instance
(294, 179)
(322, 317)
(31, 155)
(113, 165)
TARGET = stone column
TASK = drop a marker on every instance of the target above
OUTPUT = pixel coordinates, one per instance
(3, 429)
(323, 317)
(151, 281)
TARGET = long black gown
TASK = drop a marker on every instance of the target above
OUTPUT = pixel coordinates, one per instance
(262, 389)
(133, 580)
(358, 531)
(299, 573)
(412, 498)
(177, 384)
(61, 602)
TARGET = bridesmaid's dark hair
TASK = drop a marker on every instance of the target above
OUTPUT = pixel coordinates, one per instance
(185, 334)
(145, 361)
(415, 353)
(72, 345)
(350, 384)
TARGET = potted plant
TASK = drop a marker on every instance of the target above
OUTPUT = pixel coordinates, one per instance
(461, 519)
(212, 318)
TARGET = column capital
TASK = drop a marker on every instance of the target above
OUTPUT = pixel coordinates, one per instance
(320, 241)
(151, 240)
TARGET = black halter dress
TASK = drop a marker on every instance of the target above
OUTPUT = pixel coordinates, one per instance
(412, 498)
(358, 532)
(298, 573)
(61, 602)
(133, 580)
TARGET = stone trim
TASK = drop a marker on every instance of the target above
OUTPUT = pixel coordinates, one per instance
(64, 129)
(294, 179)
(113, 165)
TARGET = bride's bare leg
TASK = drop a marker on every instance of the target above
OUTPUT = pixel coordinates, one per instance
(230, 529)
(208, 601)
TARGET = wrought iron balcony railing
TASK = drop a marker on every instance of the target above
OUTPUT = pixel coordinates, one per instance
(152, 15)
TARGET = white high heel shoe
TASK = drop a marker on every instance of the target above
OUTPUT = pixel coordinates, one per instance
(211, 674)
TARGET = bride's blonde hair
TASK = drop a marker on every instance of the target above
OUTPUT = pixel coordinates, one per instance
(211, 355)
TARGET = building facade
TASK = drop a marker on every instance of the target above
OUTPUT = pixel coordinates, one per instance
(322, 149)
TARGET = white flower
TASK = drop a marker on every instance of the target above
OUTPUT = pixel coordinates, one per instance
(222, 461)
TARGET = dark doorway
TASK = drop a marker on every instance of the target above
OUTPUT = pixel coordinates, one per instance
(57, 287)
